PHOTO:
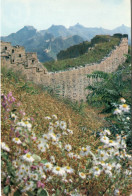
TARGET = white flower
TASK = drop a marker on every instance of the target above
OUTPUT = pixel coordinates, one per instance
(124, 107)
(70, 131)
(54, 116)
(35, 176)
(58, 171)
(116, 192)
(13, 116)
(5, 147)
(127, 118)
(16, 140)
(41, 147)
(68, 169)
(85, 151)
(46, 136)
(104, 139)
(103, 155)
(47, 118)
(63, 125)
(108, 172)
(51, 129)
(64, 133)
(122, 100)
(117, 111)
(48, 166)
(52, 158)
(68, 147)
(22, 167)
(57, 124)
(82, 175)
(27, 157)
(53, 137)
(70, 154)
(95, 171)
(112, 143)
(107, 132)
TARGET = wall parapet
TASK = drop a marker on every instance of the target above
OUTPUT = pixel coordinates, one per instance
(70, 83)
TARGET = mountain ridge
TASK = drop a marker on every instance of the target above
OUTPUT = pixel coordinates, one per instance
(49, 42)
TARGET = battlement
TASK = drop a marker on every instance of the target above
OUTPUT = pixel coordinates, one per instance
(70, 83)
(16, 55)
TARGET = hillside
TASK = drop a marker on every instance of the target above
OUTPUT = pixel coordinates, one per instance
(47, 43)
(49, 149)
(102, 45)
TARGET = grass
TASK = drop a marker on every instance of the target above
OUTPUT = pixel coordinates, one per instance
(94, 56)
(84, 122)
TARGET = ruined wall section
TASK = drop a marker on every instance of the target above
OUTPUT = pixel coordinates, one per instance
(70, 83)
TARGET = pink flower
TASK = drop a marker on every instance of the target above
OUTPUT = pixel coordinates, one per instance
(40, 184)
(26, 151)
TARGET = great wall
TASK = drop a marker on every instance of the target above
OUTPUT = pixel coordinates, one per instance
(71, 83)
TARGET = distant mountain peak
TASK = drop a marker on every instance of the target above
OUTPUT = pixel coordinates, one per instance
(28, 27)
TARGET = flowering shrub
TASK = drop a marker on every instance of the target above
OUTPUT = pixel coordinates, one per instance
(44, 163)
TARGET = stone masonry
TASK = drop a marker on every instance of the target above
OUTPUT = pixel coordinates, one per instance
(71, 83)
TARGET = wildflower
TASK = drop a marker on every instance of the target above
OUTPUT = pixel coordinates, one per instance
(82, 175)
(54, 116)
(104, 139)
(68, 169)
(40, 184)
(48, 166)
(108, 172)
(41, 147)
(46, 136)
(70, 154)
(50, 129)
(35, 176)
(58, 171)
(53, 137)
(68, 147)
(117, 111)
(57, 124)
(47, 118)
(103, 155)
(64, 133)
(27, 157)
(116, 192)
(96, 171)
(107, 132)
(63, 125)
(70, 131)
(13, 116)
(85, 151)
(127, 118)
(52, 158)
(122, 100)
(16, 140)
(112, 143)
(5, 147)
(124, 107)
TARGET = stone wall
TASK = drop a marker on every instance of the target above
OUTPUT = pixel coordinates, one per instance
(72, 83)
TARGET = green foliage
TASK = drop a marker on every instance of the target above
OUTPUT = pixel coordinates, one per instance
(100, 50)
(107, 88)
(74, 51)
(42, 192)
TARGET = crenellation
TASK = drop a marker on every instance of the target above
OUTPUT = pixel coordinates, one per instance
(70, 83)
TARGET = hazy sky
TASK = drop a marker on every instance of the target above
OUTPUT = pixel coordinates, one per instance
(41, 14)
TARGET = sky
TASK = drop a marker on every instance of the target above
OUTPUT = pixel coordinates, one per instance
(109, 14)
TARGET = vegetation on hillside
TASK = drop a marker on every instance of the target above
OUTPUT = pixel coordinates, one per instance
(103, 47)
(112, 91)
(48, 149)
